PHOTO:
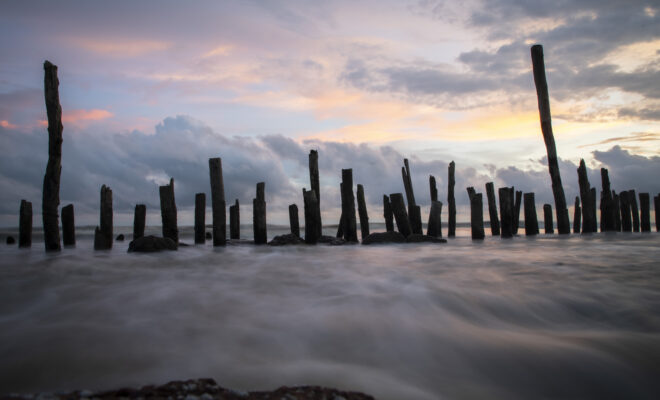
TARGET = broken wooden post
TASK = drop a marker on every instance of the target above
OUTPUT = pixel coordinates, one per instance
(516, 211)
(349, 224)
(362, 212)
(626, 220)
(51, 188)
(25, 224)
(585, 198)
(577, 215)
(103, 233)
(607, 219)
(451, 201)
(644, 207)
(200, 218)
(531, 222)
(547, 219)
(218, 205)
(414, 212)
(139, 221)
(316, 187)
(632, 200)
(594, 208)
(311, 218)
(68, 226)
(543, 98)
(492, 210)
(400, 215)
(616, 204)
(387, 214)
(506, 211)
(168, 211)
(293, 218)
(259, 215)
(434, 226)
(235, 221)
(656, 208)
(476, 214)
(433, 188)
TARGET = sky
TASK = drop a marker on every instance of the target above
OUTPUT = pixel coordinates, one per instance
(152, 89)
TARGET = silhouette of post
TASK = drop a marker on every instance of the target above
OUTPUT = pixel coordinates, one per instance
(531, 221)
(310, 204)
(585, 197)
(626, 220)
(139, 220)
(68, 226)
(492, 210)
(433, 188)
(51, 189)
(168, 211)
(414, 212)
(476, 214)
(387, 214)
(616, 204)
(506, 211)
(434, 225)
(235, 221)
(577, 215)
(259, 215)
(200, 218)
(103, 232)
(607, 219)
(293, 218)
(632, 200)
(451, 201)
(400, 215)
(547, 219)
(594, 208)
(349, 227)
(218, 205)
(316, 187)
(25, 224)
(516, 211)
(644, 206)
(543, 98)
(656, 208)
(362, 212)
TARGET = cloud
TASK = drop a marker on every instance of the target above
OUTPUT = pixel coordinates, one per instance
(75, 116)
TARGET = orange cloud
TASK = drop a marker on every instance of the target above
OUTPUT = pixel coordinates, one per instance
(75, 116)
(8, 125)
(120, 47)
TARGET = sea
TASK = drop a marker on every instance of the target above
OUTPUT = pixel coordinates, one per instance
(550, 316)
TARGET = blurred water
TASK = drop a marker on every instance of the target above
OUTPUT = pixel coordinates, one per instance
(544, 317)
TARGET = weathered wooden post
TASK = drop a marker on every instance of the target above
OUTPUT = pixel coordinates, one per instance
(656, 208)
(311, 221)
(433, 188)
(451, 201)
(68, 226)
(476, 214)
(547, 219)
(293, 218)
(218, 205)
(543, 98)
(400, 215)
(349, 224)
(103, 233)
(259, 215)
(506, 211)
(594, 208)
(235, 221)
(387, 214)
(585, 197)
(632, 200)
(644, 206)
(25, 224)
(531, 222)
(139, 220)
(516, 211)
(626, 221)
(434, 226)
(414, 211)
(51, 189)
(362, 212)
(316, 187)
(577, 215)
(168, 211)
(607, 220)
(200, 218)
(492, 210)
(616, 204)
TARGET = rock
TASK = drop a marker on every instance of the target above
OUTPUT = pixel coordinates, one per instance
(331, 240)
(11, 240)
(209, 236)
(120, 237)
(417, 238)
(147, 244)
(384, 237)
(282, 240)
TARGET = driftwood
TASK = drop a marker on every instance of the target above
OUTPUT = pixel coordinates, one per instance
(235, 221)
(103, 233)
(200, 218)
(259, 215)
(25, 224)
(577, 215)
(543, 98)
(400, 215)
(516, 211)
(588, 222)
(626, 216)
(414, 212)
(506, 211)
(218, 205)
(632, 199)
(434, 226)
(387, 214)
(348, 222)
(51, 189)
(607, 218)
(645, 217)
(68, 226)
(293, 219)
(451, 201)
(547, 219)
(362, 212)
(531, 221)
(139, 220)
(476, 214)
(311, 221)
(168, 211)
(316, 187)
(492, 210)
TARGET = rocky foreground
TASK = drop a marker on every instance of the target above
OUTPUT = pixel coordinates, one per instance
(201, 389)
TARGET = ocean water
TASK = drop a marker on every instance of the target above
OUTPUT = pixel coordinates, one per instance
(542, 317)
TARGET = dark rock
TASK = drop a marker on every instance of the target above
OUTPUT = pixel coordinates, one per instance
(332, 241)
(384, 237)
(11, 240)
(209, 235)
(417, 238)
(148, 244)
(120, 237)
(282, 240)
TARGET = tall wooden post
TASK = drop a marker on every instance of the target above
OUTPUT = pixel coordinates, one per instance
(585, 197)
(607, 218)
(25, 224)
(626, 221)
(594, 208)
(103, 233)
(531, 221)
(414, 212)
(577, 215)
(68, 226)
(632, 199)
(316, 187)
(348, 206)
(492, 210)
(293, 219)
(644, 206)
(387, 214)
(235, 221)
(616, 204)
(547, 219)
(168, 211)
(516, 211)
(506, 211)
(476, 214)
(451, 201)
(656, 208)
(400, 215)
(200, 218)
(311, 220)
(259, 215)
(543, 98)
(51, 189)
(139, 220)
(435, 220)
(433, 188)
(218, 205)
(362, 212)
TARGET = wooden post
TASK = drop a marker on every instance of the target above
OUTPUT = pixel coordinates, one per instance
(543, 98)
(616, 205)
(547, 219)
(632, 200)
(435, 220)
(68, 226)
(626, 221)
(362, 212)
(311, 221)
(400, 215)
(656, 208)
(387, 214)
(531, 222)
(433, 188)
(476, 214)
(293, 218)
(168, 211)
(25, 224)
(451, 201)
(594, 208)
(644, 206)
(235, 221)
(218, 205)
(414, 212)
(103, 233)
(607, 219)
(316, 187)
(139, 221)
(577, 215)
(259, 215)
(585, 197)
(506, 211)
(200, 218)
(348, 206)
(516, 211)
(492, 210)
(51, 188)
